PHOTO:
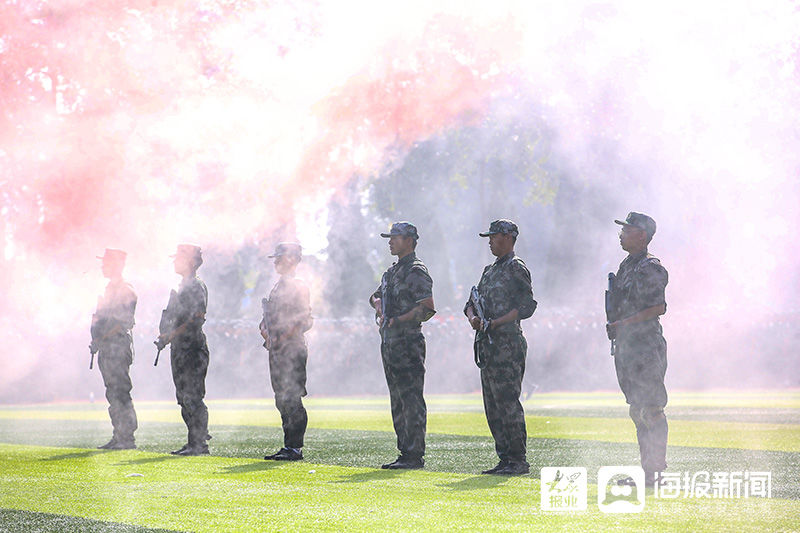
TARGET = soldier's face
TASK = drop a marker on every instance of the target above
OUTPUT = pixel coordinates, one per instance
(500, 244)
(284, 264)
(400, 245)
(183, 265)
(632, 238)
(111, 269)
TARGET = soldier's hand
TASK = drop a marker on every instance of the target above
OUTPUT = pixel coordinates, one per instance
(160, 342)
(475, 322)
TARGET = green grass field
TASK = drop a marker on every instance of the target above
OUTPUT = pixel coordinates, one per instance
(53, 479)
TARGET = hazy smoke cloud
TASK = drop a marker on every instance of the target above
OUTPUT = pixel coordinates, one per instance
(233, 125)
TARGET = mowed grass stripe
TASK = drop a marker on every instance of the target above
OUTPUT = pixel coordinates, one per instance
(231, 494)
(715, 434)
(777, 398)
(369, 449)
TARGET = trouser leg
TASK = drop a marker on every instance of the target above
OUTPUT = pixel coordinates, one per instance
(501, 382)
(114, 368)
(414, 413)
(404, 368)
(287, 367)
(294, 420)
(651, 433)
(189, 374)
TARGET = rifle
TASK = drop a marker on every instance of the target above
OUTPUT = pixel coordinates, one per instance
(265, 322)
(166, 325)
(171, 336)
(476, 300)
(384, 305)
(611, 313)
(97, 325)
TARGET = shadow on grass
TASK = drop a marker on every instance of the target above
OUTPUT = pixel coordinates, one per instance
(259, 466)
(148, 460)
(13, 520)
(74, 455)
(477, 482)
(372, 475)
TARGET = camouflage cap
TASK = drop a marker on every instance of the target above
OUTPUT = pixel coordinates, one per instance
(287, 248)
(405, 229)
(638, 220)
(113, 255)
(501, 226)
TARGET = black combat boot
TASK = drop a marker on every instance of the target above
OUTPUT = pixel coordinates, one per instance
(502, 464)
(514, 468)
(405, 463)
(286, 454)
(108, 445)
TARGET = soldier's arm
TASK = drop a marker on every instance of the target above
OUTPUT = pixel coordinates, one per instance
(189, 311)
(469, 308)
(375, 300)
(511, 316)
(420, 285)
(474, 321)
(124, 309)
(194, 305)
(525, 304)
(262, 327)
(651, 283)
(423, 311)
(301, 314)
(642, 316)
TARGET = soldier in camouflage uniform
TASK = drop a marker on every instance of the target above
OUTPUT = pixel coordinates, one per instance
(641, 351)
(112, 341)
(182, 328)
(505, 288)
(287, 316)
(402, 302)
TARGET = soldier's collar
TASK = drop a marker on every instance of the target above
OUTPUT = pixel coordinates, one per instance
(637, 256)
(188, 281)
(407, 259)
(508, 257)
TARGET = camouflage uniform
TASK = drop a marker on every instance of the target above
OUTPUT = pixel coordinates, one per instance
(189, 357)
(505, 285)
(111, 336)
(403, 353)
(641, 354)
(288, 313)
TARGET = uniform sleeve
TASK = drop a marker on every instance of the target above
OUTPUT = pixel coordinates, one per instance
(420, 283)
(524, 302)
(117, 310)
(468, 304)
(125, 308)
(651, 283)
(192, 304)
(374, 295)
(301, 313)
